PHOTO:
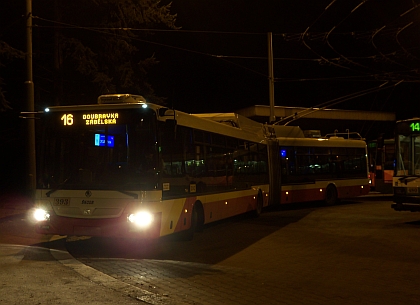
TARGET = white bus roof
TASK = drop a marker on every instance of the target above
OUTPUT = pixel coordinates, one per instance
(246, 124)
(232, 124)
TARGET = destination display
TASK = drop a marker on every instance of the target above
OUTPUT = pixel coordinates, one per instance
(408, 127)
(415, 126)
(105, 118)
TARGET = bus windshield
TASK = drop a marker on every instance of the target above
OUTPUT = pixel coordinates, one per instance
(408, 161)
(116, 155)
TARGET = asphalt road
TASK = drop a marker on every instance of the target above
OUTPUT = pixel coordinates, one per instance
(357, 252)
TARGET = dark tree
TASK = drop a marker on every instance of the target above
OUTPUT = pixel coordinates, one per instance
(86, 48)
(7, 54)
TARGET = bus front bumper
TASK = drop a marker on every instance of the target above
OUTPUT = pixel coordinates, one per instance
(117, 227)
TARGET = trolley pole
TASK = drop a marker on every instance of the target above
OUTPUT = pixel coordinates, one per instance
(30, 120)
(271, 76)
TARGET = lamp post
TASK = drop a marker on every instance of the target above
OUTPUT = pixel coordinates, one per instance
(271, 76)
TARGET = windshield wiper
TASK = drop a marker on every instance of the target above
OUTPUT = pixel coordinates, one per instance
(405, 179)
(135, 196)
(57, 188)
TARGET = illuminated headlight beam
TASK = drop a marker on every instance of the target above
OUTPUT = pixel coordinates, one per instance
(141, 219)
(41, 215)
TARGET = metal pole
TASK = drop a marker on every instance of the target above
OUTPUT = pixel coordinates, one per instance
(271, 76)
(31, 159)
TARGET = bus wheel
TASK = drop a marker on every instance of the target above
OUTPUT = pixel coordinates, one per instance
(259, 206)
(197, 220)
(331, 195)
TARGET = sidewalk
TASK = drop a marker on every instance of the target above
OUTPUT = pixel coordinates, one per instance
(35, 275)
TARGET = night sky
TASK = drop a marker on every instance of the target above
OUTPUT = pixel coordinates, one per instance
(217, 61)
(323, 50)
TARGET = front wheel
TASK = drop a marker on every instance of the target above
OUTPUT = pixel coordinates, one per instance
(259, 206)
(196, 223)
(331, 195)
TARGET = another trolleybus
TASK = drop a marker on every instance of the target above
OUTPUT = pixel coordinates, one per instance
(381, 156)
(406, 181)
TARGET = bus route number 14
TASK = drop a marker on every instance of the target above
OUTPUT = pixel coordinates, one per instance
(67, 119)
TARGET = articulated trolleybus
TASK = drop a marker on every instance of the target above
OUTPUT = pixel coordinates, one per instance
(128, 168)
(406, 181)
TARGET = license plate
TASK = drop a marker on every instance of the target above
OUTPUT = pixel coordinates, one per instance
(61, 201)
(412, 190)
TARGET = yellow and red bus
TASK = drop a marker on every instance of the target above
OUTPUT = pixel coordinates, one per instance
(127, 168)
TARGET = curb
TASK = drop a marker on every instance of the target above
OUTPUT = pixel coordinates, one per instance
(67, 260)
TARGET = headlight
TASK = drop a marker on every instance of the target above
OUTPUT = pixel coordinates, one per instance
(141, 219)
(41, 215)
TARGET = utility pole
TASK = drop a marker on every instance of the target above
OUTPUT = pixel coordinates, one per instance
(272, 143)
(58, 57)
(30, 119)
(271, 76)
